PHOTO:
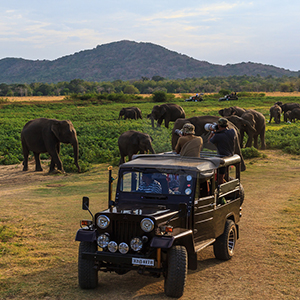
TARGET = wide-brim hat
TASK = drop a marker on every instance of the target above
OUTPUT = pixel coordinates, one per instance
(188, 128)
(223, 122)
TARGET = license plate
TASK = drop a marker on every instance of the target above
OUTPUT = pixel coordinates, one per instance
(142, 261)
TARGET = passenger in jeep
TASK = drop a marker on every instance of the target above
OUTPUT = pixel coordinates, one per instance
(223, 138)
(189, 144)
(149, 185)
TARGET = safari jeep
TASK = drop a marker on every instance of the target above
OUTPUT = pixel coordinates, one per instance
(161, 233)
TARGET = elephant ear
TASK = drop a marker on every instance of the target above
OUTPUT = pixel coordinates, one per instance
(135, 139)
(55, 128)
(249, 125)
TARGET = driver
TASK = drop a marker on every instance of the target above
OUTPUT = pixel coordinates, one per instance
(149, 185)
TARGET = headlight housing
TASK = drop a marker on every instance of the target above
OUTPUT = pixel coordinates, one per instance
(147, 225)
(112, 246)
(123, 248)
(103, 240)
(136, 244)
(103, 221)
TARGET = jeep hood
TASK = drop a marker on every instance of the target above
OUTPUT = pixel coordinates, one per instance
(155, 211)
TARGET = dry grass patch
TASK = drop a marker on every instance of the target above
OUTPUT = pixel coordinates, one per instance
(39, 220)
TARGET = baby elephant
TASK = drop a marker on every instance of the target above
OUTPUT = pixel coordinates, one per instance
(130, 113)
(131, 142)
(293, 114)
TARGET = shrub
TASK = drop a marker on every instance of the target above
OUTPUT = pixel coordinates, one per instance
(69, 166)
(160, 96)
(224, 92)
(9, 159)
(250, 152)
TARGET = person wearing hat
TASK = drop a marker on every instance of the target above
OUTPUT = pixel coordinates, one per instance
(223, 139)
(189, 144)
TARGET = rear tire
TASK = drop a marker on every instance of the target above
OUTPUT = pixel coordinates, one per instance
(225, 243)
(87, 273)
(176, 271)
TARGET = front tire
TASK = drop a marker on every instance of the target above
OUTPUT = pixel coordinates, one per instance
(176, 271)
(225, 243)
(87, 273)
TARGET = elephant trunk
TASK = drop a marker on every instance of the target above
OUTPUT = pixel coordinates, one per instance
(75, 148)
(152, 121)
(151, 149)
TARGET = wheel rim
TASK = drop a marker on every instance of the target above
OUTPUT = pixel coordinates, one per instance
(231, 241)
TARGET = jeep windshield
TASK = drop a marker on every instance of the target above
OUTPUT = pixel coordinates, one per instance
(157, 183)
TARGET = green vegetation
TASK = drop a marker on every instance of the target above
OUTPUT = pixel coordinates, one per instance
(98, 128)
(222, 85)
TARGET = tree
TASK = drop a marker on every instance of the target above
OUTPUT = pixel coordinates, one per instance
(130, 89)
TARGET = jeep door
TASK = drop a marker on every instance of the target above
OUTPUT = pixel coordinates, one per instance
(204, 209)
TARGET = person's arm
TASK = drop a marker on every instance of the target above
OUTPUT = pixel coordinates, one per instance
(178, 146)
(212, 134)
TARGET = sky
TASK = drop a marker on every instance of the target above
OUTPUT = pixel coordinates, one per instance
(219, 32)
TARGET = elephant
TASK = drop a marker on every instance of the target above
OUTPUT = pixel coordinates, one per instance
(293, 114)
(275, 112)
(243, 126)
(286, 107)
(258, 121)
(45, 135)
(169, 112)
(233, 110)
(286, 115)
(199, 123)
(130, 113)
(131, 142)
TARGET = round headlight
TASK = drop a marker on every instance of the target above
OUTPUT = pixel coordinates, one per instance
(112, 246)
(103, 240)
(147, 225)
(103, 221)
(136, 244)
(123, 248)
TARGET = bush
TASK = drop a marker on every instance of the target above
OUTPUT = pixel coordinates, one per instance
(250, 152)
(69, 166)
(224, 92)
(160, 96)
(9, 159)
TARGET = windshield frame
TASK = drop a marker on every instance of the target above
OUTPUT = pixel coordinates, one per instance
(163, 198)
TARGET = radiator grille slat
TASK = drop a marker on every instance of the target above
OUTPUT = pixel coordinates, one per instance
(124, 231)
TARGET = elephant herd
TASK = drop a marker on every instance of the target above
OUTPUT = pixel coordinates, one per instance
(243, 121)
(290, 111)
(45, 135)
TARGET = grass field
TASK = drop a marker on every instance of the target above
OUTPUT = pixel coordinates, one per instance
(40, 213)
(59, 98)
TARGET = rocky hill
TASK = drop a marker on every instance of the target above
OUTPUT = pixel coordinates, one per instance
(125, 60)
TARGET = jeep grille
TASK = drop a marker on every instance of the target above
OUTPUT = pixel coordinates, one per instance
(124, 230)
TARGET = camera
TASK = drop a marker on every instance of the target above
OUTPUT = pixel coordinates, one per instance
(211, 126)
(178, 132)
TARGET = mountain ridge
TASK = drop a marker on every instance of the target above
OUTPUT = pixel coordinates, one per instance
(126, 60)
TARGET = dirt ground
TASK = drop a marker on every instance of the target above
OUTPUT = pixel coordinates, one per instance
(266, 264)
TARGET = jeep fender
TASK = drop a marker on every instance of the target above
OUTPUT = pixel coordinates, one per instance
(85, 235)
(184, 239)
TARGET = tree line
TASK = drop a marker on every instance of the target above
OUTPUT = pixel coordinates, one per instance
(156, 83)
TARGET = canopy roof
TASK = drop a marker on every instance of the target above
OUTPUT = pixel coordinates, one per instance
(175, 162)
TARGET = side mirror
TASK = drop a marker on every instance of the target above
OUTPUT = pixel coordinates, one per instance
(85, 203)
